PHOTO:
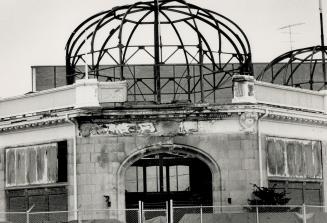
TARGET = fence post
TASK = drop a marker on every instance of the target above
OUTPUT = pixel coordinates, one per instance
(257, 214)
(167, 212)
(171, 211)
(304, 214)
(140, 213)
(201, 214)
(28, 214)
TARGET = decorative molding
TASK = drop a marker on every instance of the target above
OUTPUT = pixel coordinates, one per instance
(32, 124)
(163, 128)
(248, 121)
(92, 129)
(245, 112)
(298, 119)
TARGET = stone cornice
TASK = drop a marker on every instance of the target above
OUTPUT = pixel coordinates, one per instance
(28, 124)
(188, 112)
(283, 114)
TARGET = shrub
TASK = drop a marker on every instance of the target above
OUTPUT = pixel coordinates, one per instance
(267, 197)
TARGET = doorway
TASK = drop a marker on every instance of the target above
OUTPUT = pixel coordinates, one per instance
(157, 178)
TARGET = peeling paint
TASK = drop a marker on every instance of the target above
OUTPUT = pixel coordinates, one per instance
(31, 165)
(163, 128)
(117, 129)
(168, 128)
(294, 158)
(188, 127)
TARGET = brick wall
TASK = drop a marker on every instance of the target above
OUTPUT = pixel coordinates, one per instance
(48, 77)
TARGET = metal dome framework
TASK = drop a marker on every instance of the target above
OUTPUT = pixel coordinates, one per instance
(189, 53)
(303, 68)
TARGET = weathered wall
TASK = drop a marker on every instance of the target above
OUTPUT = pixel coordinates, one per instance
(31, 137)
(295, 131)
(38, 135)
(101, 155)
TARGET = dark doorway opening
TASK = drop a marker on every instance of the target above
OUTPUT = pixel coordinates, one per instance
(155, 179)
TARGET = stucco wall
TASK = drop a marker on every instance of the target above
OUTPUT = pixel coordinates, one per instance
(295, 131)
(32, 137)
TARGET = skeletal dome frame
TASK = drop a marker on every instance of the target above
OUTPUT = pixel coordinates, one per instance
(301, 68)
(166, 51)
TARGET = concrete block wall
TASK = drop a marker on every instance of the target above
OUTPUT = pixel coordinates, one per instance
(100, 157)
(237, 157)
(97, 163)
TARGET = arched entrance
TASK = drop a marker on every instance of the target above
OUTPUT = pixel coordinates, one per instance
(155, 179)
(157, 174)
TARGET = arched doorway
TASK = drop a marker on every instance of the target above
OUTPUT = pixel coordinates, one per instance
(158, 175)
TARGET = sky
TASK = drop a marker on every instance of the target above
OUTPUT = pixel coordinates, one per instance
(34, 32)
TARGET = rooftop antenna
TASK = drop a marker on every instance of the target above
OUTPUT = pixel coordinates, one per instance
(289, 27)
(322, 44)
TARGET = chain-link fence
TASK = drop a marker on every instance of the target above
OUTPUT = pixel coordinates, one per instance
(109, 215)
(251, 214)
(19, 217)
(178, 214)
(154, 215)
(41, 217)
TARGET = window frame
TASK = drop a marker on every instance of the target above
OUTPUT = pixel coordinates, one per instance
(62, 180)
(303, 188)
(286, 174)
(165, 178)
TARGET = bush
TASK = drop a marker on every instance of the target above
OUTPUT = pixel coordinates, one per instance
(266, 197)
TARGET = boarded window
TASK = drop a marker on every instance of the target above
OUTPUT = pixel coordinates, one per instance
(294, 158)
(38, 164)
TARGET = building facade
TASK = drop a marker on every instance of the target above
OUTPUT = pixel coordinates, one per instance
(67, 155)
(199, 134)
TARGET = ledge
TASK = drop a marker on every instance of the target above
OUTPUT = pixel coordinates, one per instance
(83, 94)
(290, 96)
(247, 90)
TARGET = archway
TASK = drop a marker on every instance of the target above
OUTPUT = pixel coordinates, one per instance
(155, 174)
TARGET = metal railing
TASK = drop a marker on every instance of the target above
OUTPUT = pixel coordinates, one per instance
(178, 214)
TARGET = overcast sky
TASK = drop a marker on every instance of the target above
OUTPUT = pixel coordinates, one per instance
(34, 32)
